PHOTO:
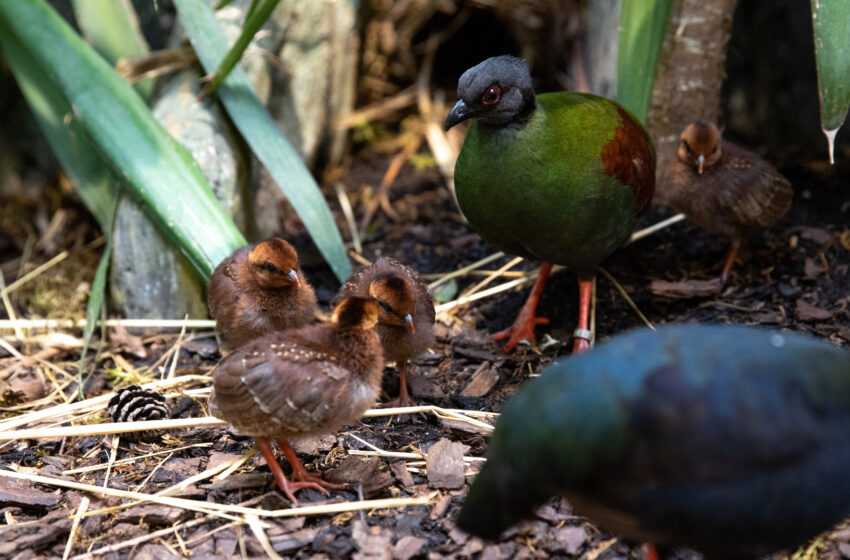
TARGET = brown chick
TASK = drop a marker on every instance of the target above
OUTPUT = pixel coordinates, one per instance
(259, 289)
(301, 382)
(405, 312)
(725, 189)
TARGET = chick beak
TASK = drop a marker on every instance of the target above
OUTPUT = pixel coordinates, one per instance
(293, 277)
(459, 113)
(408, 320)
(700, 163)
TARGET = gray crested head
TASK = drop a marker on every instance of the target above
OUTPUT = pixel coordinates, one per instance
(497, 91)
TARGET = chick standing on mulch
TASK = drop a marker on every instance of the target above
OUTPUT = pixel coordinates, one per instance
(302, 382)
(725, 189)
(405, 313)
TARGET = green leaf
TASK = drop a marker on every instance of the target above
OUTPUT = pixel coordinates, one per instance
(445, 292)
(254, 20)
(160, 172)
(94, 307)
(90, 174)
(112, 28)
(831, 24)
(259, 130)
(642, 27)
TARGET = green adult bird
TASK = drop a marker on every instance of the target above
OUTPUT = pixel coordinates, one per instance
(559, 177)
(732, 440)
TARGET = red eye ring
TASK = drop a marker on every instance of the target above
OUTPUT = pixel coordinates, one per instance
(491, 95)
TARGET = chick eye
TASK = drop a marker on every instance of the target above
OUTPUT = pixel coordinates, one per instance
(386, 306)
(491, 95)
(269, 267)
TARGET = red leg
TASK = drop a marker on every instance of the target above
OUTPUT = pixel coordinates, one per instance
(403, 399)
(582, 334)
(523, 327)
(648, 552)
(300, 473)
(730, 260)
(288, 488)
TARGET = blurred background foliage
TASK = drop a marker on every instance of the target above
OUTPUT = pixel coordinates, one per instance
(186, 181)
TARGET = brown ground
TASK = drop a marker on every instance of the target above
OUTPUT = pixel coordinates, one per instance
(794, 276)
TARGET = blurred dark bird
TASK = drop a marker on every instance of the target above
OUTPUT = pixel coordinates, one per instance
(725, 189)
(559, 177)
(735, 441)
(405, 312)
(259, 289)
(301, 382)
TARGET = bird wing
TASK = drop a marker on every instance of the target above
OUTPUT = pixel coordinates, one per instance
(222, 288)
(297, 388)
(708, 431)
(754, 193)
(225, 282)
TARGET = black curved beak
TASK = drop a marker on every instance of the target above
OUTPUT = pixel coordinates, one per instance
(459, 113)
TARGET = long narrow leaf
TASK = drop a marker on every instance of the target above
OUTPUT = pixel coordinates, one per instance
(642, 27)
(159, 171)
(112, 28)
(257, 127)
(254, 20)
(94, 307)
(831, 24)
(90, 174)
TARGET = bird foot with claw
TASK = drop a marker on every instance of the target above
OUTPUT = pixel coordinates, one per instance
(316, 481)
(522, 329)
(292, 487)
(400, 402)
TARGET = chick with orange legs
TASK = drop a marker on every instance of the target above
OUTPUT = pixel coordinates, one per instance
(301, 382)
(725, 189)
(405, 313)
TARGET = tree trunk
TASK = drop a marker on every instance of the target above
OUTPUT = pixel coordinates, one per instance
(689, 75)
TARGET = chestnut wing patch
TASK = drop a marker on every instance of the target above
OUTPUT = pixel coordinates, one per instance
(629, 157)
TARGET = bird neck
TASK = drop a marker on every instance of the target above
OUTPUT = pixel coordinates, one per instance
(517, 122)
(358, 348)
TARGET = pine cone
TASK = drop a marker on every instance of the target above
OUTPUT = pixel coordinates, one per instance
(132, 404)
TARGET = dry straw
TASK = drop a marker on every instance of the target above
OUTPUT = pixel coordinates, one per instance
(212, 507)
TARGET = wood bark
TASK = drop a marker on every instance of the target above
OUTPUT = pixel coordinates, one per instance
(689, 75)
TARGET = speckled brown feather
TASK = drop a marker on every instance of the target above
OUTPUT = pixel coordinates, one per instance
(734, 196)
(399, 343)
(244, 308)
(299, 382)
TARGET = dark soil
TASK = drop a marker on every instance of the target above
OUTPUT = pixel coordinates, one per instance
(785, 272)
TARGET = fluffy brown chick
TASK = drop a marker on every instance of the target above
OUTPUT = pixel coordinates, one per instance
(405, 312)
(725, 189)
(301, 382)
(259, 289)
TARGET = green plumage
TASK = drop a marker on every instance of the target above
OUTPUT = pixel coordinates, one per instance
(539, 190)
(733, 440)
